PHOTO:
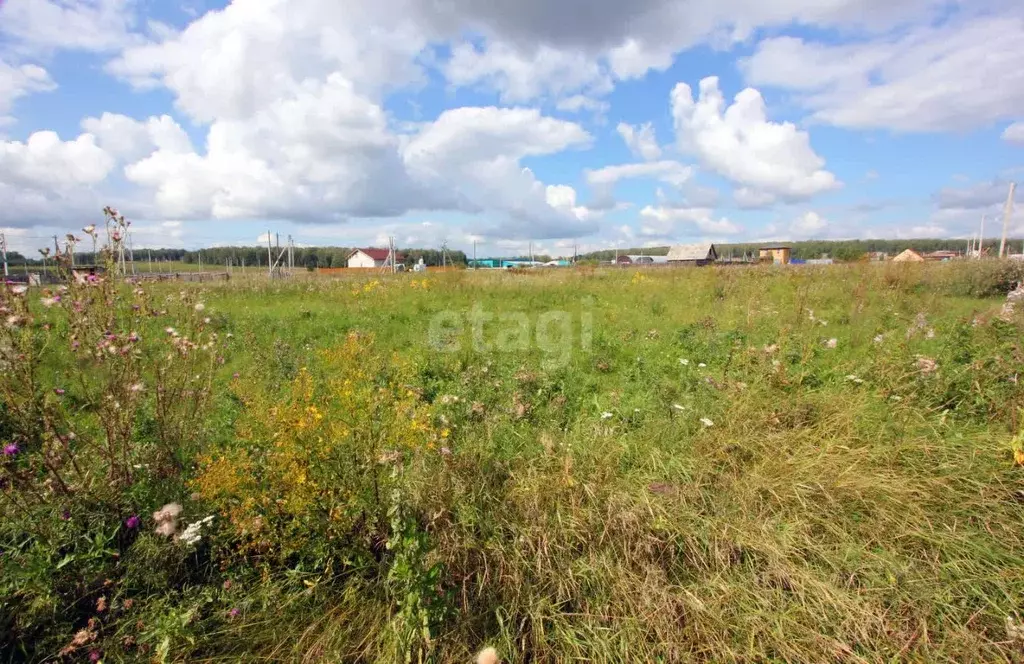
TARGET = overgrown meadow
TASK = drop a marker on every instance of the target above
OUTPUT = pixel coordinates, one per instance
(723, 464)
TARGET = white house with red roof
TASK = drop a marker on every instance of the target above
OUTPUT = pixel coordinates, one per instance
(372, 257)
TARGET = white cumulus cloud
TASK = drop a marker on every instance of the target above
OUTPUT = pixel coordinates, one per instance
(641, 140)
(1014, 133)
(964, 74)
(740, 143)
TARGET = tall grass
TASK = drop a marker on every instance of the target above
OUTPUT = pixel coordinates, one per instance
(738, 465)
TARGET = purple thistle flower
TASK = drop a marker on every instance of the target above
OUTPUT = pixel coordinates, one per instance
(235, 375)
(66, 515)
(58, 391)
(94, 656)
(10, 449)
(234, 613)
(132, 522)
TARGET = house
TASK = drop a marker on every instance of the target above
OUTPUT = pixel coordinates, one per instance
(369, 258)
(692, 254)
(777, 253)
(908, 256)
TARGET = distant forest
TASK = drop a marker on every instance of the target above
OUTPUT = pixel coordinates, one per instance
(313, 257)
(843, 250)
(309, 257)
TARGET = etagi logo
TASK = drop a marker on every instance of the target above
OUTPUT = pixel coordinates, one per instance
(552, 332)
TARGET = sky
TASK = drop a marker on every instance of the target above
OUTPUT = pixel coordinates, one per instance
(580, 123)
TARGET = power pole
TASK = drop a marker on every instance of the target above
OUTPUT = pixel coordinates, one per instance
(3, 252)
(270, 257)
(149, 254)
(1007, 212)
(475, 266)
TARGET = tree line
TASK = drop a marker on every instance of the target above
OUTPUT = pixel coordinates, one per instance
(843, 250)
(308, 257)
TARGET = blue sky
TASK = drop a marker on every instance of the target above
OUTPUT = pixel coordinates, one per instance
(595, 124)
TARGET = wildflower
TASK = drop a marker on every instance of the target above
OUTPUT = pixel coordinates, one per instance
(234, 613)
(390, 456)
(200, 306)
(487, 656)
(101, 605)
(678, 407)
(10, 449)
(235, 375)
(90, 229)
(132, 522)
(49, 301)
(926, 365)
(65, 515)
(832, 343)
(94, 656)
(855, 379)
(446, 452)
(137, 387)
(706, 422)
(771, 349)
(13, 321)
(702, 365)
(167, 519)
(683, 361)
(606, 415)
(133, 337)
(170, 330)
(58, 391)
(226, 585)
(879, 338)
(19, 289)
(193, 532)
(930, 334)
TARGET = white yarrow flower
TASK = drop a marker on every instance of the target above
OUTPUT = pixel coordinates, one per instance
(832, 343)
(606, 415)
(683, 361)
(706, 422)
(702, 365)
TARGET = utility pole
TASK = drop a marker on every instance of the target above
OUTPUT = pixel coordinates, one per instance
(981, 237)
(149, 254)
(3, 252)
(1007, 212)
(475, 266)
(270, 257)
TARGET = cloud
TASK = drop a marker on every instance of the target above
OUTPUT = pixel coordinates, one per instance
(808, 225)
(539, 73)
(46, 179)
(973, 197)
(672, 222)
(602, 181)
(477, 151)
(962, 74)
(741, 144)
(641, 140)
(1014, 133)
(578, 103)
(753, 199)
(81, 25)
(668, 171)
(19, 81)
(130, 139)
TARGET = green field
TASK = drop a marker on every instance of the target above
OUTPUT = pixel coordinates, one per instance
(723, 464)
